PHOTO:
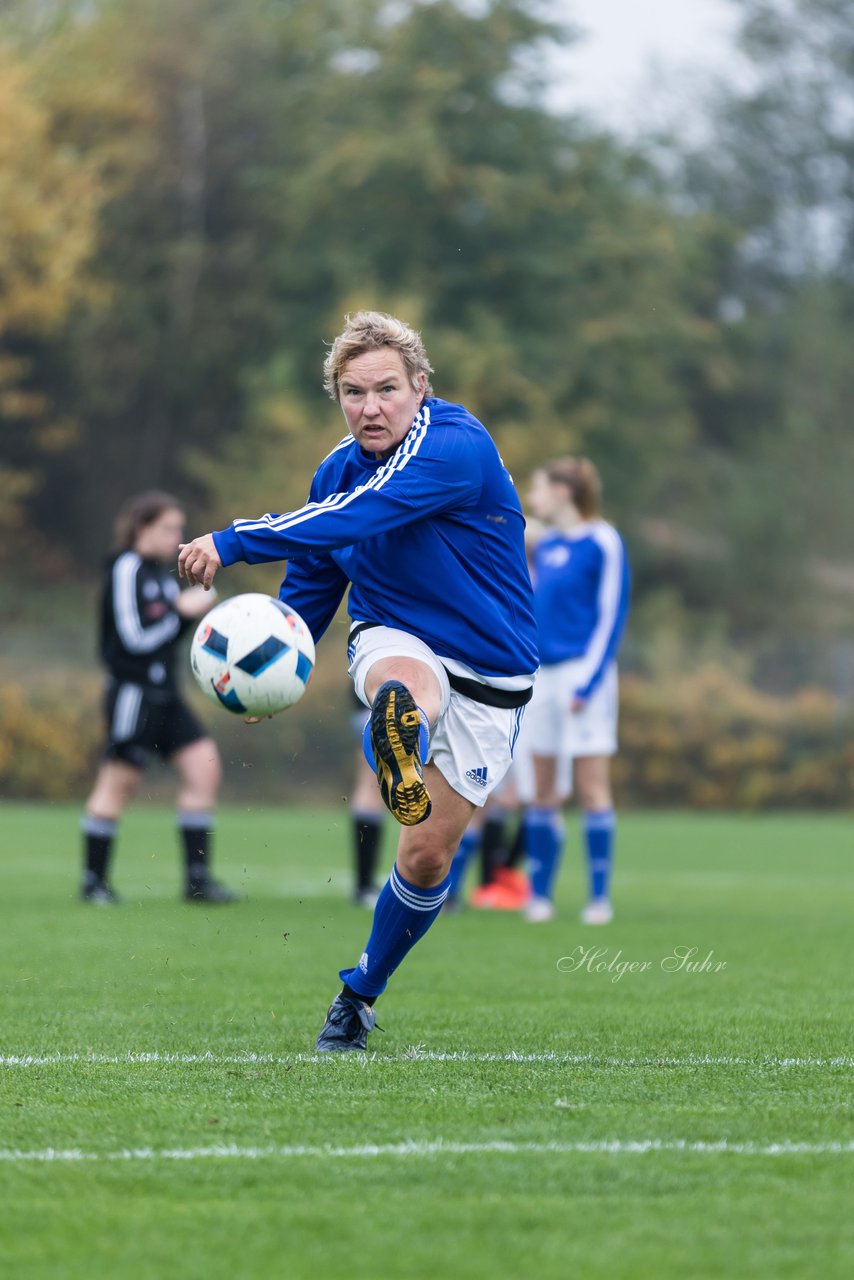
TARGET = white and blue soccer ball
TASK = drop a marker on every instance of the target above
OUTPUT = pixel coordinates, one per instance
(253, 655)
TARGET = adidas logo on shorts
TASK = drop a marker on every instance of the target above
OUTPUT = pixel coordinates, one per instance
(477, 775)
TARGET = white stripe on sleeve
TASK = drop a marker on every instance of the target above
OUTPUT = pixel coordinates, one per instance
(335, 501)
(609, 599)
(135, 637)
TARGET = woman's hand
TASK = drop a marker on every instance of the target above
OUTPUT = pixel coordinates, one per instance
(198, 561)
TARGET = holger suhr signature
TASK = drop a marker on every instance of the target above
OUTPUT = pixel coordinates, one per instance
(599, 960)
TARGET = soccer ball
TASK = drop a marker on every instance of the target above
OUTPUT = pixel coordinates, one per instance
(253, 655)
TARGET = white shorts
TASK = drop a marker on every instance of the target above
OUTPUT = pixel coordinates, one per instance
(523, 778)
(471, 744)
(552, 728)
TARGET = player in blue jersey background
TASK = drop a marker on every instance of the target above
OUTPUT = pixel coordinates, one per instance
(415, 513)
(581, 591)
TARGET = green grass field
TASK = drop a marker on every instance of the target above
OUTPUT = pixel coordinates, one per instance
(524, 1114)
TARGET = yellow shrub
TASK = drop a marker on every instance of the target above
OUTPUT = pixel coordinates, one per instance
(704, 741)
(708, 740)
(49, 738)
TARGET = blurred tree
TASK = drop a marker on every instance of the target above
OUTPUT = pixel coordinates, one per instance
(543, 260)
(776, 436)
(49, 201)
(785, 156)
(273, 166)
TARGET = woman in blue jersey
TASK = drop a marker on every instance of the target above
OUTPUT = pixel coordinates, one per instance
(414, 513)
(581, 594)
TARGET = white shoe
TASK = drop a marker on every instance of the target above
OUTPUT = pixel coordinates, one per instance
(538, 910)
(366, 898)
(597, 911)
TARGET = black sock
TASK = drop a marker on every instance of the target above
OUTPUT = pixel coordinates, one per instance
(367, 830)
(492, 851)
(354, 995)
(516, 852)
(196, 838)
(98, 835)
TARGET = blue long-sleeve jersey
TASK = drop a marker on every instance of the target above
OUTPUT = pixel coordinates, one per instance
(431, 540)
(582, 584)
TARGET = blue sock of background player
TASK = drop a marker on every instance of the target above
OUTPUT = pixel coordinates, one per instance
(598, 830)
(543, 845)
(462, 858)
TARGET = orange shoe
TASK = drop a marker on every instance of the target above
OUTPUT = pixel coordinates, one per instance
(495, 897)
(514, 881)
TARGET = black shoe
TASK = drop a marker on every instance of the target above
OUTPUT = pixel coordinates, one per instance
(346, 1028)
(395, 734)
(209, 890)
(100, 894)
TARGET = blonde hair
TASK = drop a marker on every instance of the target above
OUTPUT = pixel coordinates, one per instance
(581, 479)
(370, 331)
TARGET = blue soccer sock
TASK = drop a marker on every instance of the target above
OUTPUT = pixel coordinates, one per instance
(598, 831)
(403, 914)
(543, 845)
(462, 857)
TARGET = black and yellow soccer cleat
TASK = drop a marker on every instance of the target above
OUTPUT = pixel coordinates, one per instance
(395, 738)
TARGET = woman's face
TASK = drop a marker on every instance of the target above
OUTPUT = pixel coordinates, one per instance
(160, 539)
(378, 400)
(544, 498)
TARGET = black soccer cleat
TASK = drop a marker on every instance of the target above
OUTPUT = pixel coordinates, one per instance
(100, 894)
(395, 737)
(346, 1028)
(209, 890)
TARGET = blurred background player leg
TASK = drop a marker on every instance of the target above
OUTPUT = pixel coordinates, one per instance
(469, 842)
(596, 728)
(543, 835)
(590, 740)
(493, 841)
(544, 734)
(504, 885)
(598, 823)
(115, 785)
(367, 815)
(200, 772)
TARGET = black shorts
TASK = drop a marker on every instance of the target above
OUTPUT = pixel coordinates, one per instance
(139, 724)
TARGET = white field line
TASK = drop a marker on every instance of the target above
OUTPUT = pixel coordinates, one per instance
(416, 1054)
(616, 1147)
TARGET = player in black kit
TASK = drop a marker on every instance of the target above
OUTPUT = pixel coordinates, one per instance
(143, 613)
